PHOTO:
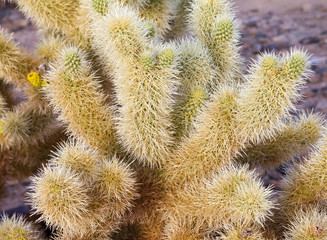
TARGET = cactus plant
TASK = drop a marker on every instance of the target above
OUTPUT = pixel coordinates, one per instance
(164, 136)
(16, 228)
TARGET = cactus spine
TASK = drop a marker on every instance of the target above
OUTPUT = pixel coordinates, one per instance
(169, 151)
(74, 91)
(80, 186)
(16, 228)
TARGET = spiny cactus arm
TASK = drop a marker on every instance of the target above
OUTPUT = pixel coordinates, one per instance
(179, 25)
(49, 48)
(297, 137)
(16, 228)
(78, 156)
(144, 81)
(177, 229)
(161, 12)
(233, 194)
(111, 186)
(3, 104)
(117, 187)
(96, 231)
(146, 216)
(212, 144)
(26, 124)
(120, 35)
(60, 197)
(103, 6)
(135, 3)
(305, 185)
(15, 67)
(308, 224)
(214, 24)
(196, 69)
(150, 227)
(14, 63)
(240, 231)
(196, 74)
(151, 190)
(145, 93)
(43, 123)
(269, 94)
(186, 112)
(7, 93)
(58, 16)
(75, 94)
(203, 15)
(55, 15)
(15, 128)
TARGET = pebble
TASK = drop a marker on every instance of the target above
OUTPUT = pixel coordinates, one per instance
(324, 76)
(310, 24)
(252, 23)
(314, 90)
(309, 40)
(261, 35)
(307, 7)
(270, 47)
(322, 73)
(280, 38)
(322, 104)
(324, 91)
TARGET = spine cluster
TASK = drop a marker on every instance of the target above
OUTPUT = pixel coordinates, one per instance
(162, 137)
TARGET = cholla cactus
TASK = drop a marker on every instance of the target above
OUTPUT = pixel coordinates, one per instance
(26, 122)
(16, 228)
(173, 149)
(81, 193)
(309, 224)
(241, 232)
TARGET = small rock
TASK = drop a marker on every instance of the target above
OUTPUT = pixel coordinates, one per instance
(315, 78)
(288, 26)
(310, 24)
(324, 32)
(322, 104)
(307, 7)
(322, 8)
(270, 47)
(315, 90)
(309, 40)
(261, 35)
(322, 73)
(324, 91)
(270, 13)
(252, 23)
(324, 77)
(280, 38)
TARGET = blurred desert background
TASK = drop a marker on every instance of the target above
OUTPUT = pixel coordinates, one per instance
(267, 25)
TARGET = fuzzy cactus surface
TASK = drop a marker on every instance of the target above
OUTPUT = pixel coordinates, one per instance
(165, 130)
